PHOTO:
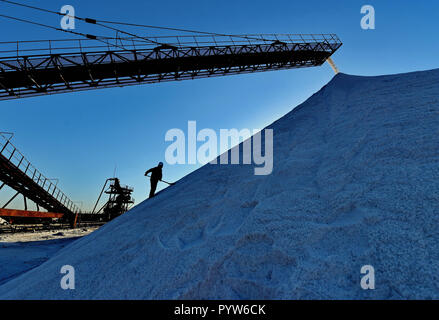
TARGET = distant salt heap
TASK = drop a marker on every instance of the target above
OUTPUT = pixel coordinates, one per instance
(355, 182)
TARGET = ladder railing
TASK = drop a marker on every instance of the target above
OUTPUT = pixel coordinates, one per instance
(10, 49)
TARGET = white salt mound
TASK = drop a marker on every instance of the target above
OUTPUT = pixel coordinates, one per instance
(355, 182)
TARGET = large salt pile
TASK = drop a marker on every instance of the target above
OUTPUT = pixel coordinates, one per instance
(355, 182)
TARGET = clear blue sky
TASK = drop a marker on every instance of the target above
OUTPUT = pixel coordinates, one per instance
(81, 137)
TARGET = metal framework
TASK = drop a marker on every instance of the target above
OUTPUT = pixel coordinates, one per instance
(19, 174)
(119, 202)
(34, 68)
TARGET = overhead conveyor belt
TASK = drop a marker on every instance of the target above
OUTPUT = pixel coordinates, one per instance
(19, 174)
(45, 67)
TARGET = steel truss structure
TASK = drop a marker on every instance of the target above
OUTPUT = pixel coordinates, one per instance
(19, 174)
(54, 66)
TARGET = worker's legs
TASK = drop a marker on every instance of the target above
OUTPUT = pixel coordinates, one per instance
(153, 187)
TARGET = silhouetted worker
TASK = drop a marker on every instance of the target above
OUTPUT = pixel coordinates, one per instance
(156, 176)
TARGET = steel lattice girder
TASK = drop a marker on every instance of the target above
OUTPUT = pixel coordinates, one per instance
(56, 73)
(20, 182)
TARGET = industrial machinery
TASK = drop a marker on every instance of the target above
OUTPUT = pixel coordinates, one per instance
(54, 208)
(32, 68)
(43, 67)
(40, 67)
(21, 176)
(119, 202)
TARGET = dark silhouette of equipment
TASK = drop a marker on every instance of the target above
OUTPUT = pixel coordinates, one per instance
(31, 68)
(119, 201)
(20, 175)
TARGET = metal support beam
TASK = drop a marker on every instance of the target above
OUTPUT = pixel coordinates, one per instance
(28, 214)
(10, 200)
(177, 59)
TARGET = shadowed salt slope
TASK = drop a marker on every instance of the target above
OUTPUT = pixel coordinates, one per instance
(355, 182)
